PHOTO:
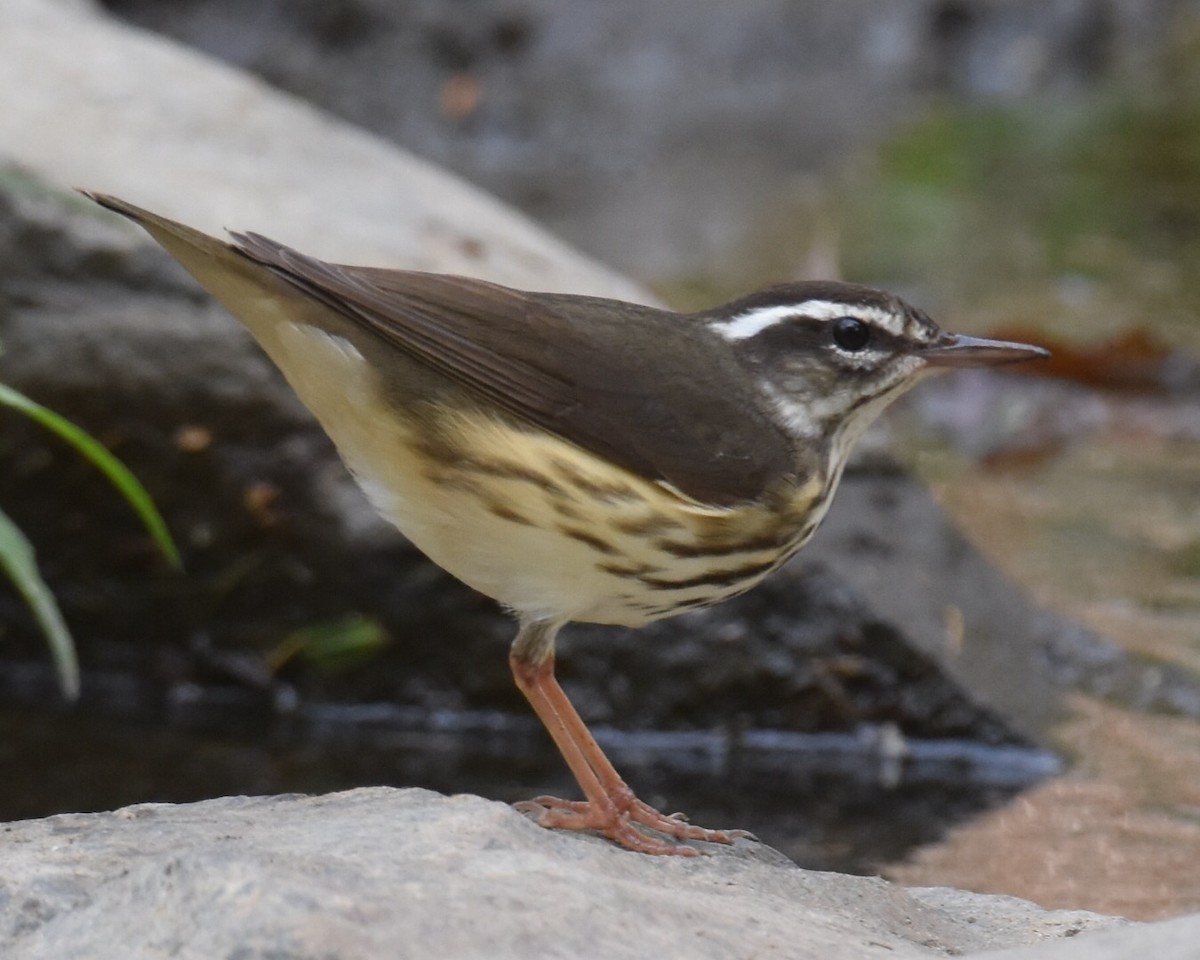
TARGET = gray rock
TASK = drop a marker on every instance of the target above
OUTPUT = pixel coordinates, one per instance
(891, 542)
(1167, 940)
(381, 873)
(97, 104)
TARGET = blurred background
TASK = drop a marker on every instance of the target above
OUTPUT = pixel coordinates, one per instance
(1028, 169)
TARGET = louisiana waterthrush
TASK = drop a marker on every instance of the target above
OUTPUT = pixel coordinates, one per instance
(576, 458)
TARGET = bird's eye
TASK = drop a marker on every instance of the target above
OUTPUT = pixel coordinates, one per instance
(850, 333)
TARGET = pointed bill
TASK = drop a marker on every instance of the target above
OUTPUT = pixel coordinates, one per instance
(956, 350)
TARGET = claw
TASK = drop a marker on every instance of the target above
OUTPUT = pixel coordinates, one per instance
(615, 818)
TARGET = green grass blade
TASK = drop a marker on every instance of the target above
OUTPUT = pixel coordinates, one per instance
(18, 561)
(116, 472)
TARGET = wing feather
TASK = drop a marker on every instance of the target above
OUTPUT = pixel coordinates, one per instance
(571, 365)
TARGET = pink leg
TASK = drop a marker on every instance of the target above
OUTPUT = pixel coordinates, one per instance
(610, 807)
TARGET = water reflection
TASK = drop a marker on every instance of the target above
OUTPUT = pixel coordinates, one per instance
(829, 801)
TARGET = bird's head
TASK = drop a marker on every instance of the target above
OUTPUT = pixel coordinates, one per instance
(831, 356)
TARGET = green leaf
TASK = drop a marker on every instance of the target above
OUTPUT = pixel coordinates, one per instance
(18, 561)
(331, 645)
(116, 472)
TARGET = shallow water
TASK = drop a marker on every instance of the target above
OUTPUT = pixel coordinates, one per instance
(834, 801)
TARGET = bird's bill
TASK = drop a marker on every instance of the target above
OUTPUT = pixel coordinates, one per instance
(956, 350)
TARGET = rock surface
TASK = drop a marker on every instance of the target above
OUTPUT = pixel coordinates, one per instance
(98, 104)
(378, 873)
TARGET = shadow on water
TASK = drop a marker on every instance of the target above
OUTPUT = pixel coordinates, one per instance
(830, 801)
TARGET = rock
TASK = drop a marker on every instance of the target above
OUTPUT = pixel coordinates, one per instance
(1167, 939)
(115, 109)
(890, 540)
(378, 873)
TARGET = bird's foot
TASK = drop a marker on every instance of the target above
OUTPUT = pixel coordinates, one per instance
(614, 815)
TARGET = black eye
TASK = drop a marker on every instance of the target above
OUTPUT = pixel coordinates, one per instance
(850, 333)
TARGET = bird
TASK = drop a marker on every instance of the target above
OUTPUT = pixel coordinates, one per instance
(576, 458)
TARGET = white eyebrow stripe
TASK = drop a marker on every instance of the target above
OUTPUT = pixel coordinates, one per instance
(755, 321)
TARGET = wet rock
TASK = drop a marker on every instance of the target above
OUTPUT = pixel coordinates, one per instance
(385, 873)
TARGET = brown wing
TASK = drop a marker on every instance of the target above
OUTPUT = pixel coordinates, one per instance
(639, 386)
